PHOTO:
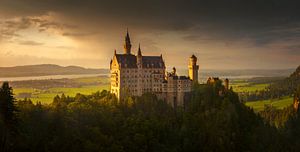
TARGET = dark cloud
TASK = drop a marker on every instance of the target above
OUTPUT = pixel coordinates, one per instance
(262, 22)
(233, 17)
(10, 27)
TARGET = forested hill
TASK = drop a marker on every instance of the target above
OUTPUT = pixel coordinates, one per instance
(278, 89)
(46, 69)
(287, 86)
(296, 74)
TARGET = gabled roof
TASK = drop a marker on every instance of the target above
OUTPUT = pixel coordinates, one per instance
(126, 60)
(130, 61)
(152, 62)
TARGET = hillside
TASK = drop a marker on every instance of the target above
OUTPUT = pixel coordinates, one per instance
(46, 69)
(296, 74)
(286, 86)
(279, 89)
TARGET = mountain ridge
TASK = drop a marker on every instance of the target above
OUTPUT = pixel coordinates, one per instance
(47, 69)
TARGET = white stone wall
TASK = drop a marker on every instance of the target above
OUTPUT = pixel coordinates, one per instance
(137, 81)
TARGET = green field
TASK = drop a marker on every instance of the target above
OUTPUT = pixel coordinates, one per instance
(240, 86)
(46, 96)
(87, 86)
(248, 87)
(278, 103)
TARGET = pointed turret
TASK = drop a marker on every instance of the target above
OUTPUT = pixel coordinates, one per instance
(139, 51)
(127, 44)
(139, 57)
(174, 71)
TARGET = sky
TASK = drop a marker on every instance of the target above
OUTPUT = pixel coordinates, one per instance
(223, 34)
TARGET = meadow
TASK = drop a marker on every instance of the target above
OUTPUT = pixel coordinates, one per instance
(37, 93)
(241, 86)
(245, 86)
(46, 90)
(277, 103)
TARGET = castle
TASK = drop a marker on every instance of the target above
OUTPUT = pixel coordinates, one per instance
(134, 75)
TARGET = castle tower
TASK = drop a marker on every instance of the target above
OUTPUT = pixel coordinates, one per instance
(193, 68)
(139, 57)
(226, 84)
(174, 71)
(127, 44)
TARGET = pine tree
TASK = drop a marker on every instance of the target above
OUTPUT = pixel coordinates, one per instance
(7, 105)
(8, 117)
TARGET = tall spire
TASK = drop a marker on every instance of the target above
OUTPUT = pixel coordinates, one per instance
(127, 44)
(127, 33)
(139, 57)
(139, 51)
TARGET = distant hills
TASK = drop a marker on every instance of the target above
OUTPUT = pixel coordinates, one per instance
(52, 69)
(47, 69)
(240, 73)
(258, 72)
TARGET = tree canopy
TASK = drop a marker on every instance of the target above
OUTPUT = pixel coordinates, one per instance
(99, 122)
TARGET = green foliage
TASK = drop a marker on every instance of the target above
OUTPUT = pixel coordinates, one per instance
(8, 118)
(277, 117)
(213, 120)
(292, 129)
(7, 105)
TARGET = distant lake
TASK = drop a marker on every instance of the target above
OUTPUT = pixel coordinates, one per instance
(50, 77)
(202, 76)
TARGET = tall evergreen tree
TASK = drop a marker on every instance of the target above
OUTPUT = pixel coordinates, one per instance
(8, 117)
(7, 105)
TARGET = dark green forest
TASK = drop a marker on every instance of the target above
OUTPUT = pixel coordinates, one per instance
(99, 122)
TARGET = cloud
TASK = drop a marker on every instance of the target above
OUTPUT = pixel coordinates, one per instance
(195, 23)
(34, 43)
(7, 53)
(229, 19)
(294, 50)
(77, 34)
(11, 27)
(64, 47)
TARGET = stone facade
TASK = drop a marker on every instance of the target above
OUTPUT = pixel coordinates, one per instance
(134, 75)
